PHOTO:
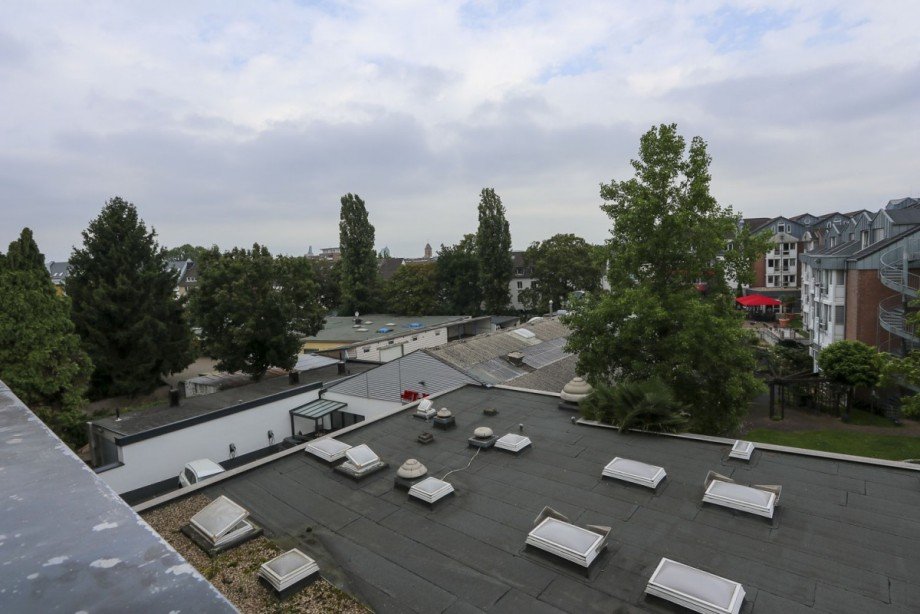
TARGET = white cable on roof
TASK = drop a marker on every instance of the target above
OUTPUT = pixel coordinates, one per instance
(478, 450)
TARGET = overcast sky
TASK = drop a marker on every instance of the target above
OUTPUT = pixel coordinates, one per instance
(238, 125)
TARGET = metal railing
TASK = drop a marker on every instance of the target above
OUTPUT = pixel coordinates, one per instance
(892, 317)
(893, 270)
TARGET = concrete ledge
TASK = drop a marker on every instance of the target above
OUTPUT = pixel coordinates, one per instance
(865, 460)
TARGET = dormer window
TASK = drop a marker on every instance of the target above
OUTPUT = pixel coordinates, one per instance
(780, 227)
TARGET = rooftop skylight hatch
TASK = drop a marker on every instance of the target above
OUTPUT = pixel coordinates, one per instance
(553, 533)
(512, 443)
(742, 450)
(695, 589)
(635, 472)
(328, 449)
(759, 500)
(287, 570)
(362, 461)
(431, 490)
(219, 525)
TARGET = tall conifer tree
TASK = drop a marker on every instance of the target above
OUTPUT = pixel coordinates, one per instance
(493, 246)
(125, 309)
(359, 260)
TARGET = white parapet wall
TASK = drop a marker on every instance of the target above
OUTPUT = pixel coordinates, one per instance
(162, 456)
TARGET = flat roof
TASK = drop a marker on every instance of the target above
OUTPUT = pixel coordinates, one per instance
(71, 544)
(342, 329)
(149, 418)
(845, 537)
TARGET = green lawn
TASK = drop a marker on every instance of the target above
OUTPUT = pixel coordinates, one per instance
(891, 447)
(861, 416)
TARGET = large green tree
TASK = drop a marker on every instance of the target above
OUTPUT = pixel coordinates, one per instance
(563, 264)
(328, 276)
(359, 260)
(853, 364)
(668, 234)
(493, 248)
(458, 279)
(253, 309)
(125, 308)
(413, 290)
(186, 252)
(40, 355)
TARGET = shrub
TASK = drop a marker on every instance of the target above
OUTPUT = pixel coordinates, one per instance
(645, 405)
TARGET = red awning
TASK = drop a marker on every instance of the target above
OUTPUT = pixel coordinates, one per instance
(758, 300)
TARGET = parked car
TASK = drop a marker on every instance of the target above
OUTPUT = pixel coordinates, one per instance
(199, 470)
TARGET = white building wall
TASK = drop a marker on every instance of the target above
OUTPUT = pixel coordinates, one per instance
(823, 306)
(411, 341)
(525, 282)
(369, 408)
(159, 458)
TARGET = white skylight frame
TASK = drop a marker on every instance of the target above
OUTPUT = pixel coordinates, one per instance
(362, 457)
(431, 489)
(512, 442)
(742, 450)
(328, 449)
(524, 333)
(426, 409)
(304, 567)
(541, 537)
(221, 521)
(731, 495)
(659, 586)
(633, 471)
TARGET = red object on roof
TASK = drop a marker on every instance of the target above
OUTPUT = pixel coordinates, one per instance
(758, 300)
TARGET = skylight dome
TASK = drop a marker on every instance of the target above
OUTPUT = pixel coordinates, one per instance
(425, 409)
(327, 449)
(287, 569)
(221, 522)
(695, 589)
(554, 534)
(634, 471)
(362, 456)
(742, 450)
(431, 490)
(512, 442)
(524, 333)
(759, 500)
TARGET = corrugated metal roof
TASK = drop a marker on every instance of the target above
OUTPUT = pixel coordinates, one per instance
(318, 408)
(417, 371)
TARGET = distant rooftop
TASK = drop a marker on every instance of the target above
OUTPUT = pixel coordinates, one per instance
(844, 538)
(70, 544)
(342, 329)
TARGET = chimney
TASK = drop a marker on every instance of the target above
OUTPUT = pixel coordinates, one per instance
(293, 377)
(174, 397)
(516, 358)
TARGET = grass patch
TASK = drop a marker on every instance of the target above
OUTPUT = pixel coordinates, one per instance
(890, 447)
(867, 418)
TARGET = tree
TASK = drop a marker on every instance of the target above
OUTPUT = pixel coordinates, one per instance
(359, 260)
(493, 248)
(40, 355)
(413, 290)
(648, 405)
(328, 277)
(458, 280)
(563, 264)
(668, 234)
(186, 252)
(853, 364)
(125, 309)
(253, 309)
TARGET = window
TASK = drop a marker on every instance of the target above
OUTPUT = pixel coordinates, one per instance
(864, 238)
(519, 271)
(841, 278)
(415, 338)
(838, 314)
(771, 263)
(366, 350)
(878, 234)
(520, 285)
(189, 475)
(781, 227)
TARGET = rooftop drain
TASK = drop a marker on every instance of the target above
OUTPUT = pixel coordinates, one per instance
(482, 438)
(512, 443)
(635, 472)
(742, 450)
(760, 500)
(220, 525)
(289, 571)
(329, 450)
(694, 589)
(554, 533)
(430, 490)
(425, 409)
(362, 461)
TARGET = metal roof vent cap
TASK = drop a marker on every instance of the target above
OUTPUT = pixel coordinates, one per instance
(515, 358)
(411, 469)
(482, 432)
(576, 390)
(444, 413)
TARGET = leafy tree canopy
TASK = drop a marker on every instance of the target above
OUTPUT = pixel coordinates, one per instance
(253, 309)
(563, 264)
(458, 279)
(40, 355)
(328, 277)
(124, 304)
(493, 248)
(413, 290)
(853, 363)
(186, 252)
(669, 233)
(359, 260)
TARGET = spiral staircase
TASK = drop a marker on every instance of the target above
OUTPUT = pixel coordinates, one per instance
(894, 272)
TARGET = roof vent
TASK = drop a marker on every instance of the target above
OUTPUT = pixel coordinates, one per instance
(515, 358)
(554, 533)
(330, 450)
(634, 471)
(414, 325)
(362, 329)
(286, 570)
(431, 490)
(695, 589)
(512, 443)
(384, 329)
